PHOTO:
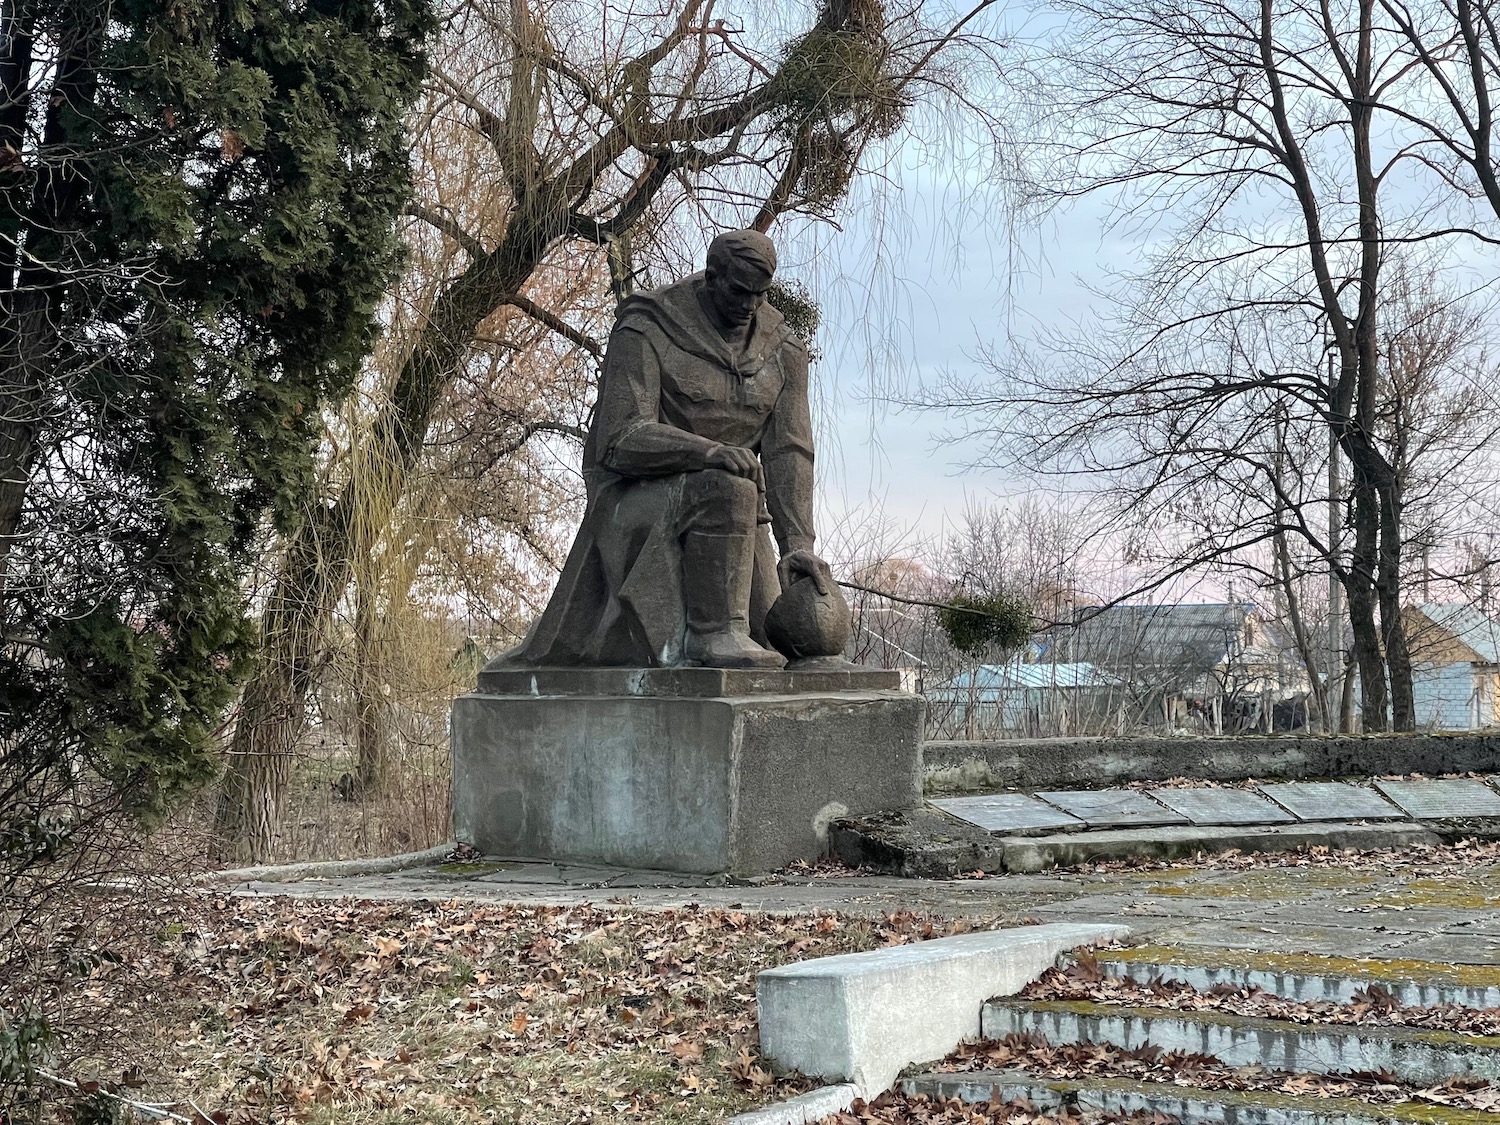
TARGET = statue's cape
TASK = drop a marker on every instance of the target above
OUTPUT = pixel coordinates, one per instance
(674, 315)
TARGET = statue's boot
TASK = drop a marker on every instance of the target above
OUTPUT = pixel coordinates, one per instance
(717, 571)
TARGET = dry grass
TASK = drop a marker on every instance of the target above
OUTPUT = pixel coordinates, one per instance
(290, 1010)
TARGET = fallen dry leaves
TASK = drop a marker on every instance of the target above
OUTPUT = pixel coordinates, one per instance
(896, 1109)
(280, 1010)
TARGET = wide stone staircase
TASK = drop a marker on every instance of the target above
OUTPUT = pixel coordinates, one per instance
(1239, 1038)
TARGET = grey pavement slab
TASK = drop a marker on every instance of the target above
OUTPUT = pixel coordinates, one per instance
(1455, 948)
(1395, 918)
(1113, 808)
(1222, 806)
(1442, 799)
(1331, 800)
(1007, 812)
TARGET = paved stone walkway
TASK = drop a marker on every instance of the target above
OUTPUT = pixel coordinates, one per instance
(1435, 907)
(1250, 804)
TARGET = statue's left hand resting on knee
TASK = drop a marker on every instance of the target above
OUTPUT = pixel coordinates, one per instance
(702, 439)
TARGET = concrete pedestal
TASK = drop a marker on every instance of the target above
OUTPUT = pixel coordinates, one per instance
(642, 768)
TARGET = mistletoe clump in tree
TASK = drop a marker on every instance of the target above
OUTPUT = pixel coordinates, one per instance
(197, 202)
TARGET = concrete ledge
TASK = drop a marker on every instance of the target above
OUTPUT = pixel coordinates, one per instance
(1065, 763)
(862, 1017)
(805, 1109)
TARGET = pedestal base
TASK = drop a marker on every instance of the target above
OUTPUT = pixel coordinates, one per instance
(742, 784)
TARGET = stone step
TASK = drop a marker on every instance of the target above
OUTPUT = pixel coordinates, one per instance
(931, 843)
(1121, 1096)
(1308, 977)
(1415, 1055)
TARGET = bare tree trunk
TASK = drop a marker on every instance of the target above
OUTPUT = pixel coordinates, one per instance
(1360, 588)
(1319, 687)
(1393, 627)
(273, 708)
(259, 767)
(372, 709)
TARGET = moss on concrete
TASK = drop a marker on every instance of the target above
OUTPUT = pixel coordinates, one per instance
(1313, 964)
(475, 870)
(1089, 1009)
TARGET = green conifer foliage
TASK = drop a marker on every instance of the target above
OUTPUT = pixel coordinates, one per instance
(197, 200)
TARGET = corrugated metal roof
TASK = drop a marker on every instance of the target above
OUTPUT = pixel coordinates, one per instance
(1469, 625)
(1017, 675)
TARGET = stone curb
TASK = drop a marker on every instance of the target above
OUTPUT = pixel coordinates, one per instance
(1403, 981)
(1028, 855)
(1417, 1055)
(1123, 1096)
(804, 1109)
(863, 1017)
(328, 869)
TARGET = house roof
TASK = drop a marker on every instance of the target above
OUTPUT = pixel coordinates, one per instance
(1469, 625)
(1019, 674)
(1189, 638)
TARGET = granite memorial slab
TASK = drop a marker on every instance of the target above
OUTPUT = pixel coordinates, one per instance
(1222, 806)
(1442, 799)
(1008, 812)
(1113, 808)
(1331, 800)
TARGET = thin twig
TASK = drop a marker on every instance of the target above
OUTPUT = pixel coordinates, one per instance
(159, 1112)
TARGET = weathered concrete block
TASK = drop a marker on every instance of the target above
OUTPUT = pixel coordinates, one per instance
(862, 1017)
(745, 784)
(1066, 763)
(805, 1109)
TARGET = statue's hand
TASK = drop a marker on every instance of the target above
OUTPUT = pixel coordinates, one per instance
(799, 564)
(734, 459)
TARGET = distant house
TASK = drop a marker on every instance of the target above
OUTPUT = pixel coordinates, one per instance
(1208, 666)
(1455, 666)
(1025, 698)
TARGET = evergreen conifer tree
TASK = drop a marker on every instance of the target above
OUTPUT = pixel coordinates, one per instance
(197, 206)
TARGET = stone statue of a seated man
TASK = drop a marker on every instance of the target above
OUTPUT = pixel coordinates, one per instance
(701, 440)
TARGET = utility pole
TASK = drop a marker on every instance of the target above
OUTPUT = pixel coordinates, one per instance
(1333, 687)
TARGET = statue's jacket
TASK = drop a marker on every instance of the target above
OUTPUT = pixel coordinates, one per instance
(671, 390)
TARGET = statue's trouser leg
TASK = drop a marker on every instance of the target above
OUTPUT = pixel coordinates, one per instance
(718, 567)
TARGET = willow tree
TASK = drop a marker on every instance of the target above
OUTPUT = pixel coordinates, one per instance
(605, 129)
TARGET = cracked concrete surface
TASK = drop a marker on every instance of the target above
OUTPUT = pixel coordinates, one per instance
(1435, 907)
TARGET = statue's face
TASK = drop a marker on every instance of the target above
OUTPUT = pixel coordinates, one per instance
(737, 290)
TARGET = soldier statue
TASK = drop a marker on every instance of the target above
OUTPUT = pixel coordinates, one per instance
(701, 441)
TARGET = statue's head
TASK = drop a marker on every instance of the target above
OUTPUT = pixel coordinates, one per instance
(740, 266)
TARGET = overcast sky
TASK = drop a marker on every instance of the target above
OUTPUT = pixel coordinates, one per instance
(918, 279)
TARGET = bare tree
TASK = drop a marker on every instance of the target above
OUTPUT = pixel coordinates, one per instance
(1280, 153)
